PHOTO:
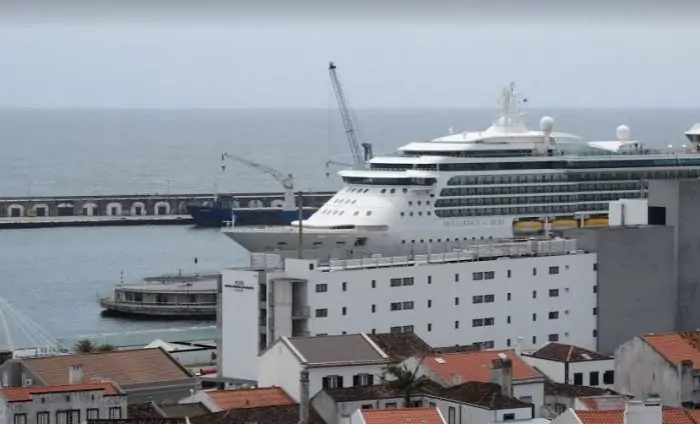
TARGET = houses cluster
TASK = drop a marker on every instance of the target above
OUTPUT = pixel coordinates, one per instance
(365, 379)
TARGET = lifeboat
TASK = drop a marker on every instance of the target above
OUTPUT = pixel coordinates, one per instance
(596, 222)
(529, 225)
(560, 224)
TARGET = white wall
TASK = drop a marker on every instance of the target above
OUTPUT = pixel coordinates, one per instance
(347, 372)
(574, 303)
(552, 369)
(533, 390)
(587, 367)
(278, 366)
(239, 330)
(54, 402)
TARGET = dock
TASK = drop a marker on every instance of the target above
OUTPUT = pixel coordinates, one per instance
(127, 209)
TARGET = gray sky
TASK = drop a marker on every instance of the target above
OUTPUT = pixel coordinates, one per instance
(265, 63)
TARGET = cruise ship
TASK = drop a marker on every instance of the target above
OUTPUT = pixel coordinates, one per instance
(475, 187)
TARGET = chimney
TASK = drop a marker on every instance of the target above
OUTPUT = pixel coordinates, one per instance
(519, 346)
(75, 374)
(304, 401)
(502, 374)
(643, 412)
(456, 380)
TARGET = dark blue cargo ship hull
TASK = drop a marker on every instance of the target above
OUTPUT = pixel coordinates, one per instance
(217, 215)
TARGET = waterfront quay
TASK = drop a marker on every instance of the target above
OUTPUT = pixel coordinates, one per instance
(128, 209)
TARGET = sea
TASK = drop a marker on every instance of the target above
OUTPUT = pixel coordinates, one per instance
(52, 278)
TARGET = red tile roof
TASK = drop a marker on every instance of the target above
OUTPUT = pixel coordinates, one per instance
(24, 394)
(250, 398)
(402, 416)
(475, 366)
(669, 416)
(676, 347)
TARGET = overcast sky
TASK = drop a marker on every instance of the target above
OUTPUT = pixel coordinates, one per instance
(267, 63)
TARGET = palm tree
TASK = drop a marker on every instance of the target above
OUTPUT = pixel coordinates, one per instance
(84, 346)
(405, 381)
(106, 347)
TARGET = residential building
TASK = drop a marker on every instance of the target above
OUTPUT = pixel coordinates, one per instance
(333, 361)
(492, 294)
(151, 411)
(142, 374)
(564, 363)
(558, 397)
(473, 402)
(649, 411)
(663, 364)
(397, 416)
(65, 404)
(505, 368)
(229, 399)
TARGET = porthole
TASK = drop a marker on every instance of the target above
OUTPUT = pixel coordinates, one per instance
(383, 190)
(393, 190)
(410, 213)
(405, 190)
(402, 213)
(369, 213)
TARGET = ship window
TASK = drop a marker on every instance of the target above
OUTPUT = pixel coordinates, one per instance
(410, 213)
(405, 190)
(420, 213)
(428, 213)
(402, 213)
(383, 190)
(393, 190)
(418, 203)
(369, 213)
(410, 203)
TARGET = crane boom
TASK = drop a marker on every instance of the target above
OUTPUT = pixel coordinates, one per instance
(347, 118)
(286, 180)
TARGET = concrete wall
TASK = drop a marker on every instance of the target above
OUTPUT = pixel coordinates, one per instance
(635, 273)
(55, 402)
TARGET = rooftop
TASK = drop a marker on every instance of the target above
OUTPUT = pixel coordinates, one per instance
(24, 394)
(400, 346)
(250, 398)
(402, 416)
(571, 390)
(561, 352)
(346, 348)
(182, 410)
(669, 416)
(676, 347)
(261, 415)
(125, 367)
(485, 395)
(604, 403)
(475, 366)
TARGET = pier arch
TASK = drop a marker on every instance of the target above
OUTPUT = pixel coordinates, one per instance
(256, 204)
(277, 203)
(40, 210)
(90, 209)
(182, 208)
(236, 204)
(65, 209)
(15, 211)
(138, 208)
(114, 209)
(161, 208)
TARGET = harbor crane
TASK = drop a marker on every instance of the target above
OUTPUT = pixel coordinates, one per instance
(287, 181)
(359, 159)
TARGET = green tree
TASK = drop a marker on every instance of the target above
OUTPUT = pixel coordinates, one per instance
(84, 346)
(106, 347)
(405, 381)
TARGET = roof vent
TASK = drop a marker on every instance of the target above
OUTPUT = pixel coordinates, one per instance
(457, 380)
(439, 360)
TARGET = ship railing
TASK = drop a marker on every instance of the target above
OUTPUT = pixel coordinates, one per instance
(113, 301)
(266, 261)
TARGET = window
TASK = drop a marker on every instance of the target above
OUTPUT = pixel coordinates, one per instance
(534, 317)
(390, 405)
(534, 294)
(451, 415)
(345, 310)
(408, 305)
(554, 337)
(593, 378)
(395, 306)
(534, 271)
(578, 379)
(553, 270)
(534, 339)
(508, 320)
(20, 419)
(93, 414)
(478, 299)
(554, 315)
(509, 297)
(456, 278)
(489, 298)
(430, 303)
(509, 417)
(432, 404)
(475, 276)
(395, 282)
(395, 329)
(489, 275)
(595, 289)
(44, 417)
(595, 311)
(430, 279)
(595, 266)
(408, 281)
(332, 382)
(456, 324)
(362, 380)
(553, 292)
(595, 333)
(508, 273)
(488, 321)
(407, 329)
(489, 344)
(477, 322)
(115, 413)
(374, 284)
(345, 286)
(526, 399)
(456, 301)
(321, 288)
(609, 377)
(508, 342)
(559, 408)
(367, 406)
(68, 417)
(430, 327)
(321, 313)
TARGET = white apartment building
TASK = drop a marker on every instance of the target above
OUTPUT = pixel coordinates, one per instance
(533, 290)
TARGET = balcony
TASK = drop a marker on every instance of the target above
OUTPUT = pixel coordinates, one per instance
(301, 312)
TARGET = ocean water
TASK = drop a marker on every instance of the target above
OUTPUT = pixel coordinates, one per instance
(54, 276)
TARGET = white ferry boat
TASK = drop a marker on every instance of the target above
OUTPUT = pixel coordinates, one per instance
(470, 187)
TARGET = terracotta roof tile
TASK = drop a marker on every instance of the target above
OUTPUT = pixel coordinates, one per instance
(402, 416)
(283, 414)
(143, 411)
(24, 394)
(561, 352)
(603, 403)
(669, 416)
(572, 390)
(250, 398)
(400, 346)
(475, 366)
(676, 347)
(125, 367)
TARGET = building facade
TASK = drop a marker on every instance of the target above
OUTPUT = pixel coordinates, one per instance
(534, 291)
